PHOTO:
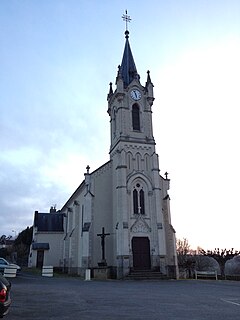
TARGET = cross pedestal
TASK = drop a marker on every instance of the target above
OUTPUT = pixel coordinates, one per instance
(102, 272)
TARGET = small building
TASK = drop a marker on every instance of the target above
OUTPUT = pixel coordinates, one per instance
(46, 247)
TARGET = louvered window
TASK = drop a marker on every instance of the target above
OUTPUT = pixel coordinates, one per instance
(135, 117)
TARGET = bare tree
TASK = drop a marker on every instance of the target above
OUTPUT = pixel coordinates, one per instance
(182, 247)
(221, 256)
(186, 259)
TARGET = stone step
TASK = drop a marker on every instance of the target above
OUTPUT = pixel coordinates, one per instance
(146, 275)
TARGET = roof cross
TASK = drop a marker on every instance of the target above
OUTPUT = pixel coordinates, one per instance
(126, 18)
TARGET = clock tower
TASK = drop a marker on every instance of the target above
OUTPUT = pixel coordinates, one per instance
(144, 237)
(130, 105)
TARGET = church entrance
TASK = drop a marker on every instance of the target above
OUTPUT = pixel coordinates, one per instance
(141, 253)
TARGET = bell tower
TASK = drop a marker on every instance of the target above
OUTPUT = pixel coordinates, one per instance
(144, 237)
(130, 105)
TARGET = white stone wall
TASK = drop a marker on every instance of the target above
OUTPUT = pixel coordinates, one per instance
(90, 206)
(53, 256)
(73, 236)
(102, 214)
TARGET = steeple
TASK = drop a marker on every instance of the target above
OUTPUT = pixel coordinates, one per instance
(128, 70)
(130, 104)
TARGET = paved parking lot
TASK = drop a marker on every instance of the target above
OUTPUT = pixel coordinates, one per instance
(61, 298)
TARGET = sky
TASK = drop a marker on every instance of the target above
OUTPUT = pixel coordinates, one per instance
(56, 61)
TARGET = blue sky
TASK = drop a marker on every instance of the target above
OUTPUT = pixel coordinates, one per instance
(57, 59)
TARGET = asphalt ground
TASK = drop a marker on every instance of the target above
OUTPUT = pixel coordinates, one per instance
(35, 297)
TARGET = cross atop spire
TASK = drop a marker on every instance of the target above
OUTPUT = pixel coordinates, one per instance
(126, 18)
(127, 70)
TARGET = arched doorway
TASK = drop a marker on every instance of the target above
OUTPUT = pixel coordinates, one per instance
(141, 253)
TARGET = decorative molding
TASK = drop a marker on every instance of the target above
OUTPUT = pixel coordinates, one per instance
(125, 225)
(137, 147)
(140, 226)
(71, 233)
(86, 227)
(159, 225)
(122, 166)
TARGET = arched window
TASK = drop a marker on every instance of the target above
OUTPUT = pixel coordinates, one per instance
(146, 158)
(135, 117)
(135, 201)
(138, 200)
(138, 161)
(141, 198)
(129, 161)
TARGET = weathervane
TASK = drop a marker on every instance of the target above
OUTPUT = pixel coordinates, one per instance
(126, 18)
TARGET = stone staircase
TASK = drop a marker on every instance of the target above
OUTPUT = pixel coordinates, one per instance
(146, 275)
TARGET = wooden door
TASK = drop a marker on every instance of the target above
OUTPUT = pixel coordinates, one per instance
(141, 253)
(40, 257)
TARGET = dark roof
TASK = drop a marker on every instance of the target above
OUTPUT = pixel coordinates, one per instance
(49, 222)
(128, 70)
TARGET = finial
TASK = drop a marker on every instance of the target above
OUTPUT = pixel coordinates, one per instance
(119, 75)
(126, 34)
(88, 168)
(126, 18)
(110, 89)
(148, 77)
(166, 175)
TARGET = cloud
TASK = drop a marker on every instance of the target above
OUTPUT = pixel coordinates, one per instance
(24, 190)
(42, 163)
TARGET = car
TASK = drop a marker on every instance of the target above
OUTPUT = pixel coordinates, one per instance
(5, 299)
(5, 264)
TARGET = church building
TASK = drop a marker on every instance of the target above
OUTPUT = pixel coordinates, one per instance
(119, 219)
(119, 216)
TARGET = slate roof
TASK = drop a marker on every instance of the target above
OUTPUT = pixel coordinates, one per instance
(48, 222)
(128, 70)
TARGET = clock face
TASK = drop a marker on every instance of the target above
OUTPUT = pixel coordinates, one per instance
(136, 95)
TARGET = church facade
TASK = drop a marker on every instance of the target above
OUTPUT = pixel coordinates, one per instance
(119, 217)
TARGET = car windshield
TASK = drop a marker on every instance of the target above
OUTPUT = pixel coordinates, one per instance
(3, 261)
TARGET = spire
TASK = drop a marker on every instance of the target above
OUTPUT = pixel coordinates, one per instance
(110, 89)
(148, 78)
(128, 70)
(149, 88)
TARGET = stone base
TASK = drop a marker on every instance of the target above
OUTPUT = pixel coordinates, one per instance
(172, 272)
(101, 273)
(103, 263)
